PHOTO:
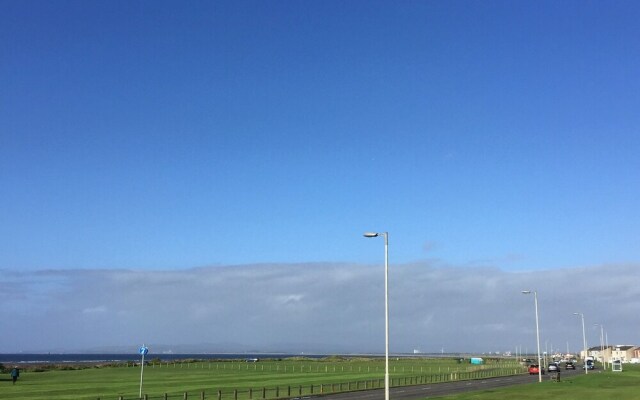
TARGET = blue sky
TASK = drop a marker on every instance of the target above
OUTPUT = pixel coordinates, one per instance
(172, 135)
(224, 158)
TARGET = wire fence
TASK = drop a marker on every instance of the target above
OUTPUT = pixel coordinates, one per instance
(289, 392)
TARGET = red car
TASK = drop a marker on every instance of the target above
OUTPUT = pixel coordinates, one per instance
(534, 369)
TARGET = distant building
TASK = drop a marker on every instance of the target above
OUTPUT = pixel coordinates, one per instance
(599, 354)
(623, 353)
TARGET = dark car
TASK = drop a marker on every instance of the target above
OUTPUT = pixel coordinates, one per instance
(569, 365)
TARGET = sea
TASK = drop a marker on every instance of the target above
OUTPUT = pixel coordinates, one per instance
(55, 358)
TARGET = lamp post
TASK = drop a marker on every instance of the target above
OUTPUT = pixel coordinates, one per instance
(545, 353)
(604, 365)
(535, 299)
(584, 342)
(386, 307)
(606, 344)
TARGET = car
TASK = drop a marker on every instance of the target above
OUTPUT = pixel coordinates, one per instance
(535, 369)
(553, 367)
(569, 365)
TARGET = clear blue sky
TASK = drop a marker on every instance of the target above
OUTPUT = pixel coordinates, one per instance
(155, 134)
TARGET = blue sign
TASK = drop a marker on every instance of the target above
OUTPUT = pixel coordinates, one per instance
(143, 350)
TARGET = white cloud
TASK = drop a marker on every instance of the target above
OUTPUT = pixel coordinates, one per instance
(289, 299)
(318, 307)
(95, 310)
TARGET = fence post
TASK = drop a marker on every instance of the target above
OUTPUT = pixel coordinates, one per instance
(186, 396)
(300, 391)
(235, 394)
(264, 392)
(202, 394)
(219, 394)
(250, 393)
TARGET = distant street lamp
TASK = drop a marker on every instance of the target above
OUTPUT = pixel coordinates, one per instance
(584, 342)
(604, 364)
(386, 307)
(535, 300)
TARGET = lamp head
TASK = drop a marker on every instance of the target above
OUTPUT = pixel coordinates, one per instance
(371, 234)
(526, 292)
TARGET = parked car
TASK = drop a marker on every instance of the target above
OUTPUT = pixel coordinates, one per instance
(535, 368)
(569, 365)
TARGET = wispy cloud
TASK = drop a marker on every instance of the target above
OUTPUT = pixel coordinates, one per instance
(95, 310)
(316, 307)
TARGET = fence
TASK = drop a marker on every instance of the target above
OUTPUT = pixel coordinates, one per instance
(298, 368)
(287, 392)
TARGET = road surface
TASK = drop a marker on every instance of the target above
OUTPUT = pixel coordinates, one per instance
(442, 389)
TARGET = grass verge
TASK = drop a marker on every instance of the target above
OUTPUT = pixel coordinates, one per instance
(597, 385)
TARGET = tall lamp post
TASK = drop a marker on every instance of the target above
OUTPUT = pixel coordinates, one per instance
(535, 299)
(584, 342)
(386, 307)
(602, 344)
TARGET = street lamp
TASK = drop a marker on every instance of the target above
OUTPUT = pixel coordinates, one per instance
(386, 307)
(535, 299)
(602, 344)
(584, 342)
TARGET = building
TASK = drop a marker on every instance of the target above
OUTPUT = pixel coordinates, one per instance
(598, 353)
(623, 353)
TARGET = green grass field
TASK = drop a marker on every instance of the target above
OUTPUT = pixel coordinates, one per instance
(597, 385)
(271, 379)
(268, 378)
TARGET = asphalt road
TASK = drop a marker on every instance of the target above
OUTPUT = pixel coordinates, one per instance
(443, 389)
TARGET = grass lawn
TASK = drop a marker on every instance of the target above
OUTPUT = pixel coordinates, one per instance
(289, 376)
(597, 385)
